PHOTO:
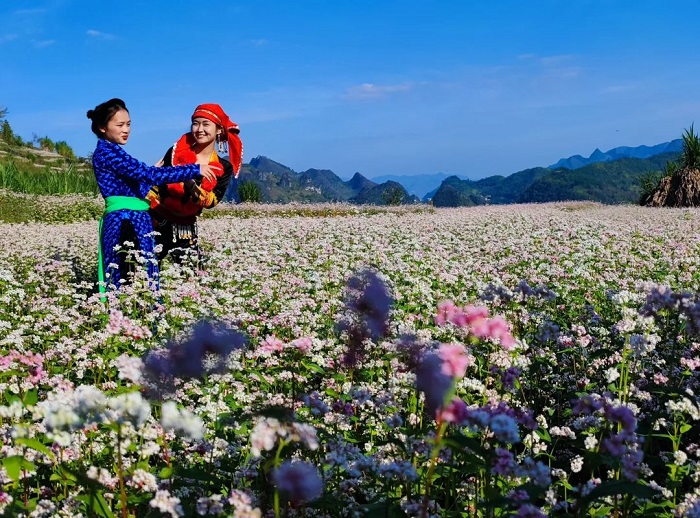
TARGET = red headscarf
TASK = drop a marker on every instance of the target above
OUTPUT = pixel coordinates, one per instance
(217, 115)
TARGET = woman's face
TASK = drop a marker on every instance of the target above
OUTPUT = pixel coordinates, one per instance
(118, 128)
(204, 131)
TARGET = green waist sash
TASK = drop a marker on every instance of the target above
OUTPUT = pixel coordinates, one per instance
(113, 203)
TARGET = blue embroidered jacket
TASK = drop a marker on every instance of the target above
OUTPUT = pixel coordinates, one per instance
(119, 174)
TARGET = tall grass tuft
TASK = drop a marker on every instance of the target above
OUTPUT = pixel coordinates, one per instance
(70, 180)
(690, 159)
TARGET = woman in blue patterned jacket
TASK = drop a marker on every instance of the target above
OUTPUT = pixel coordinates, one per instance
(124, 183)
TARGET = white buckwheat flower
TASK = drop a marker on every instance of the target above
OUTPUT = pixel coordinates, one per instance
(612, 374)
(130, 407)
(590, 442)
(577, 464)
(679, 457)
(181, 420)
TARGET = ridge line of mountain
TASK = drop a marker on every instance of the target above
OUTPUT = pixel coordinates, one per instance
(279, 183)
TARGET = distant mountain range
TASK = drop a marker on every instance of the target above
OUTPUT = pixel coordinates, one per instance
(609, 177)
(280, 184)
(577, 161)
(420, 184)
(612, 182)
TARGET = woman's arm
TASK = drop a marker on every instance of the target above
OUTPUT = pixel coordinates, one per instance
(206, 195)
(219, 191)
(124, 164)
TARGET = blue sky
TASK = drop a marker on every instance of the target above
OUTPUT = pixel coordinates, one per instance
(475, 88)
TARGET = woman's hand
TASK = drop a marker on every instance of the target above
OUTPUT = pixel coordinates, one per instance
(207, 172)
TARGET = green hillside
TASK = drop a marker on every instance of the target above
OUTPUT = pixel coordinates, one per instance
(612, 182)
(616, 181)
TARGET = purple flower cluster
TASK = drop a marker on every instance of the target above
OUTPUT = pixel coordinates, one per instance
(661, 298)
(505, 465)
(624, 443)
(206, 351)
(368, 303)
(433, 382)
(298, 481)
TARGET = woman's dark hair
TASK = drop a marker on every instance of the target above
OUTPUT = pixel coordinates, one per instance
(102, 113)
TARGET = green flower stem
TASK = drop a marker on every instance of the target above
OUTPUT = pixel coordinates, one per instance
(623, 385)
(442, 426)
(120, 473)
(277, 463)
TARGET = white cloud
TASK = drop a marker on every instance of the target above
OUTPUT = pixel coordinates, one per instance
(614, 89)
(101, 35)
(564, 72)
(553, 61)
(30, 12)
(367, 91)
(554, 67)
(40, 44)
(260, 42)
(7, 37)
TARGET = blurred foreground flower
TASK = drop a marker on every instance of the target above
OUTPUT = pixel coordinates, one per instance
(86, 407)
(181, 420)
(438, 372)
(475, 319)
(298, 481)
(268, 430)
(206, 351)
(368, 304)
(433, 382)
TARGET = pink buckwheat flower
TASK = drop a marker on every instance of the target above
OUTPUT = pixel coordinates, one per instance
(476, 317)
(32, 361)
(447, 312)
(499, 329)
(271, 344)
(303, 345)
(121, 324)
(455, 360)
(455, 412)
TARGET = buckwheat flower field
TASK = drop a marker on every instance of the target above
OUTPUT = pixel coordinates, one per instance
(522, 360)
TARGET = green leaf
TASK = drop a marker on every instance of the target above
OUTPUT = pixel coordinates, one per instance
(262, 380)
(314, 367)
(544, 435)
(97, 504)
(13, 466)
(64, 476)
(166, 472)
(462, 442)
(383, 510)
(30, 398)
(34, 444)
(102, 507)
(10, 397)
(616, 487)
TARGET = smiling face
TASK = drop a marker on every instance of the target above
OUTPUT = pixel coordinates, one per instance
(204, 131)
(118, 128)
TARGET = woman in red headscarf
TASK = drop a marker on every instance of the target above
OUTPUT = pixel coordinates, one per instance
(175, 206)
